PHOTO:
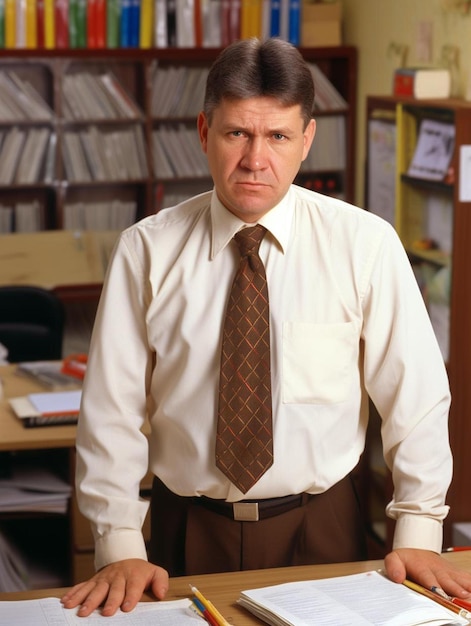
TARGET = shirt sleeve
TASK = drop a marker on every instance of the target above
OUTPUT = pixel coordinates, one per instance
(112, 451)
(406, 379)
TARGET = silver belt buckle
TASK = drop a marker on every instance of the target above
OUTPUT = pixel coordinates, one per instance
(245, 511)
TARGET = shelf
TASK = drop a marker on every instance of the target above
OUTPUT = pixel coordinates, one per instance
(72, 84)
(433, 186)
(436, 257)
(432, 211)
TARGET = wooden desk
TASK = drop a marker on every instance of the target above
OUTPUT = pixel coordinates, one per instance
(223, 589)
(46, 447)
(72, 263)
(14, 437)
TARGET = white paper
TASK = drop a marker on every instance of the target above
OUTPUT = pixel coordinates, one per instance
(50, 612)
(33, 488)
(367, 599)
(56, 402)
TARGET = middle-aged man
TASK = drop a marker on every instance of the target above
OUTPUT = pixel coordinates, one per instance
(339, 318)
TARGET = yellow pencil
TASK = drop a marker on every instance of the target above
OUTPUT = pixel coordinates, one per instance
(210, 606)
(437, 598)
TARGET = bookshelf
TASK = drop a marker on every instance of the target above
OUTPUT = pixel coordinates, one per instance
(89, 163)
(431, 213)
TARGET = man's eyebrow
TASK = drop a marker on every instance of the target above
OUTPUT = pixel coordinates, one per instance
(275, 130)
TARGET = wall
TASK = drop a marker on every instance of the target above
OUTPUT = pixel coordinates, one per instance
(378, 28)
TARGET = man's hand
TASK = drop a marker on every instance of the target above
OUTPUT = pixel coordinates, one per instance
(429, 570)
(118, 585)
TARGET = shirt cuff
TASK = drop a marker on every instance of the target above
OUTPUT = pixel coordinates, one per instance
(120, 545)
(418, 531)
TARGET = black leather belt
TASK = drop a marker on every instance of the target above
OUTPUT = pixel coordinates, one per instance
(253, 510)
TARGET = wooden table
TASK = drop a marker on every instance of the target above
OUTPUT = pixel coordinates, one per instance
(13, 435)
(72, 263)
(41, 441)
(223, 589)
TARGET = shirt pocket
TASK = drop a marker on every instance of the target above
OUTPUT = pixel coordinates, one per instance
(319, 361)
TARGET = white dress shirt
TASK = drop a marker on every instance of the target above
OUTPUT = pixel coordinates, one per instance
(346, 320)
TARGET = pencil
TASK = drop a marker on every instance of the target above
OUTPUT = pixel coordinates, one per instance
(204, 612)
(458, 549)
(440, 592)
(436, 598)
(465, 604)
(220, 621)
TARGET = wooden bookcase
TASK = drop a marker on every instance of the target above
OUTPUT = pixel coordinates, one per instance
(137, 71)
(433, 220)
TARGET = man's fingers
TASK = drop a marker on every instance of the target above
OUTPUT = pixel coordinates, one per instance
(395, 568)
(97, 595)
(120, 585)
(428, 569)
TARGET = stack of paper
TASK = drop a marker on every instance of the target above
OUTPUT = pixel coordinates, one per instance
(48, 409)
(13, 574)
(48, 373)
(34, 488)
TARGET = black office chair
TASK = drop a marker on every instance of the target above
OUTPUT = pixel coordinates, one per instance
(31, 323)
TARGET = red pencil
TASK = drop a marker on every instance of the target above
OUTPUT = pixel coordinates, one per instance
(464, 604)
(458, 549)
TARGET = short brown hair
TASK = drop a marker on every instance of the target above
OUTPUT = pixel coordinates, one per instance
(251, 68)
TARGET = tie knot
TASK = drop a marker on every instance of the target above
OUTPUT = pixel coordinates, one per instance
(249, 239)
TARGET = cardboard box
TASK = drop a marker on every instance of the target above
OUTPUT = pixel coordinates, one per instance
(321, 24)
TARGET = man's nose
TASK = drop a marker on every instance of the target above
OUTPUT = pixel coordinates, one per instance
(255, 156)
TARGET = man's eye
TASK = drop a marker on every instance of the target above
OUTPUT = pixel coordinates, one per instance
(278, 136)
(237, 133)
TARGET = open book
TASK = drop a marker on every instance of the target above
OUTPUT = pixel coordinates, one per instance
(358, 600)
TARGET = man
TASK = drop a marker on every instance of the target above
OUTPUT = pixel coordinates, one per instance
(346, 321)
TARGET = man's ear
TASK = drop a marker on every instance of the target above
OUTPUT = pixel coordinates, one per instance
(203, 130)
(309, 134)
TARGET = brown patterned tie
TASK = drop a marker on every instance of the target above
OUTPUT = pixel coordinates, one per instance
(244, 442)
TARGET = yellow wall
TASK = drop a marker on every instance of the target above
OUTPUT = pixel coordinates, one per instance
(377, 28)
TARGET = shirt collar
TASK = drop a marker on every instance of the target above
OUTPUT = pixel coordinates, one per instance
(278, 221)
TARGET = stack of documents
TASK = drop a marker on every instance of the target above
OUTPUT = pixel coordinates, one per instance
(48, 409)
(49, 374)
(34, 488)
(13, 571)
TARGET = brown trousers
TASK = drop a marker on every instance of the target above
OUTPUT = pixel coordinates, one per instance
(188, 539)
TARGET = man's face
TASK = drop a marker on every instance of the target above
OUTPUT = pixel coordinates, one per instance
(254, 148)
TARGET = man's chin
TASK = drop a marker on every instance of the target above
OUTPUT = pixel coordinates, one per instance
(250, 212)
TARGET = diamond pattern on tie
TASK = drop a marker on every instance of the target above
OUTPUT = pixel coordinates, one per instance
(244, 441)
